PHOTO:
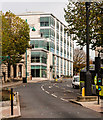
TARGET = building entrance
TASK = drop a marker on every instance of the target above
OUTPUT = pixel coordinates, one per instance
(35, 72)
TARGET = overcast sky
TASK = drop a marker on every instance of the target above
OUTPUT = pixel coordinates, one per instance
(49, 7)
(56, 7)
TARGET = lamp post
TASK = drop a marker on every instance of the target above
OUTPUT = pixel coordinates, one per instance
(88, 91)
(33, 29)
(26, 65)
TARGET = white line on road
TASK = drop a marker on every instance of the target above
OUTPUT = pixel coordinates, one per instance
(47, 92)
(69, 85)
(50, 86)
(54, 95)
(44, 90)
(64, 99)
(42, 87)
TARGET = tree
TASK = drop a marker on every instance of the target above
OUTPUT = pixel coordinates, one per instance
(79, 60)
(75, 16)
(15, 38)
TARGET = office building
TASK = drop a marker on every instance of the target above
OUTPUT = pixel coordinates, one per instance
(52, 47)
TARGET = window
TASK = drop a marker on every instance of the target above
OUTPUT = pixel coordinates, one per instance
(32, 46)
(38, 71)
(64, 40)
(44, 24)
(53, 60)
(65, 34)
(43, 60)
(57, 35)
(35, 72)
(57, 25)
(44, 21)
(52, 33)
(52, 21)
(35, 59)
(43, 73)
(40, 44)
(46, 32)
(48, 46)
(61, 28)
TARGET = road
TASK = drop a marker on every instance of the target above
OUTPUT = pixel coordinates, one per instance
(50, 100)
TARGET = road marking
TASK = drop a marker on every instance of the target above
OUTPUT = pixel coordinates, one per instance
(57, 86)
(50, 86)
(54, 95)
(47, 92)
(54, 84)
(68, 85)
(64, 99)
(42, 87)
(44, 90)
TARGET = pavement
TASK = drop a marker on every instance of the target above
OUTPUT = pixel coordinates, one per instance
(6, 110)
(93, 105)
(10, 84)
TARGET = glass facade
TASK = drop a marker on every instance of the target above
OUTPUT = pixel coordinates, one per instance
(61, 66)
(44, 21)
(57, 50)
(54, 65)
(52, 47)
(47, 21)
(57, 25)
(67, 68)
(48, 33)
(47, 28)
(39, 70)
(57, 66)
(39, 44)
(64, 67)
(45, 32)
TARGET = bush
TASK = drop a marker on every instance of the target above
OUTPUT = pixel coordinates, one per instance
(5, 95)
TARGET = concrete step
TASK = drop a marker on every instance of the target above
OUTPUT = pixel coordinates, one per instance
(87, 98)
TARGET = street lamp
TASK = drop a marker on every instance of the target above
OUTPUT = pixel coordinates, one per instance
(33, 29)
(88, 91)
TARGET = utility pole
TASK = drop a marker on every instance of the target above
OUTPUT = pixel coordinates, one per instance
(26, 65)
(88, 91)
(26, 62)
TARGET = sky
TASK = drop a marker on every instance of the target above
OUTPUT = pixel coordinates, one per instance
(49, 7)
(56, 7)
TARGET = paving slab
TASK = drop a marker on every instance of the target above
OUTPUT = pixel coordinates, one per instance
(91, 105)
(10, 84)
(6, 110)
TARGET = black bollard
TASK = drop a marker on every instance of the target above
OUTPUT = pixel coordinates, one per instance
(11, 101)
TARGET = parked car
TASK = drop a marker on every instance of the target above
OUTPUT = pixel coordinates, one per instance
(76, 82)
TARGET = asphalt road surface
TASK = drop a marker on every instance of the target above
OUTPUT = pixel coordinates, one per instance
(51, 100)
